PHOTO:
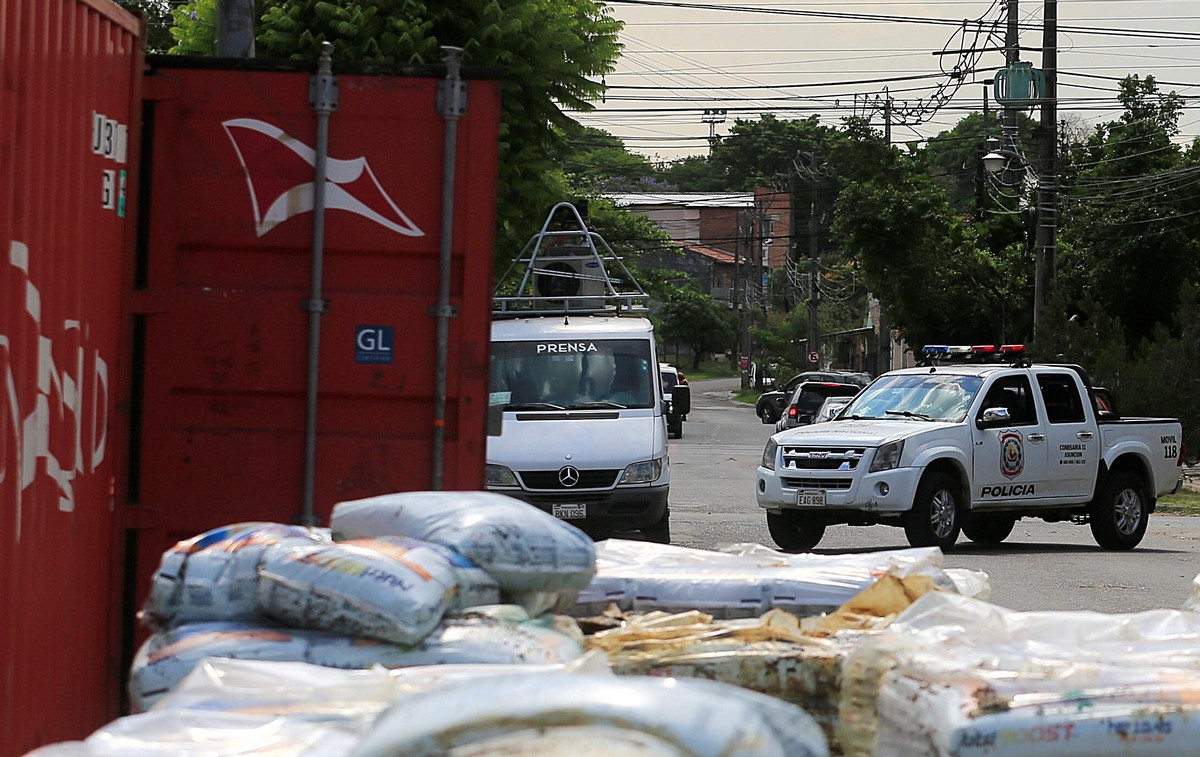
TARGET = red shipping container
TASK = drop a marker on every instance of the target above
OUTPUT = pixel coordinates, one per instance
(69, 111)
(225, 267)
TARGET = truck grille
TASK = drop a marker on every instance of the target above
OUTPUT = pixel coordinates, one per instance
(821, 458)
(547, 480)
(795, 482)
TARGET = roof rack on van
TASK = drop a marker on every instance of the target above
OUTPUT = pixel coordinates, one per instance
(564, 269)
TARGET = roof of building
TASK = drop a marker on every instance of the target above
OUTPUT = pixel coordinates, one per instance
(686, 199)
(714, 253)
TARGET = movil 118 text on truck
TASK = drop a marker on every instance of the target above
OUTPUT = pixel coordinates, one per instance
(971, 447)
(575, 386)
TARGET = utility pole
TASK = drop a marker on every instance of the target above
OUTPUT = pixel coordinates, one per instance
(1047, 198)
(1012, 54)
(235, 28)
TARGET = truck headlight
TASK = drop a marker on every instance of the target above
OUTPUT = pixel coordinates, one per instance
(887, 456)
(501, 475)
(644, 472)
(768, 460)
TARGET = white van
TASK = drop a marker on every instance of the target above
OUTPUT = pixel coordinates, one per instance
(575, 385)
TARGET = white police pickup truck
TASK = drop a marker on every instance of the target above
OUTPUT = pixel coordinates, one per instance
(971, 448)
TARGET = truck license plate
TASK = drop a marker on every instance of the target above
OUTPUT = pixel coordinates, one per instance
(569, 512)
(810, 498)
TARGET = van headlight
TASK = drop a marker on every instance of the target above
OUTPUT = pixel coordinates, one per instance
(887, 456)
(501, 475)
(768, 460)
(645, 472)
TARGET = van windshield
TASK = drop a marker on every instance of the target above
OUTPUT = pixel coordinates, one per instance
(587, 373)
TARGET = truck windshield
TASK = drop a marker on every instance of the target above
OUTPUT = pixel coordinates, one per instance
(926, 396)
(587, 373)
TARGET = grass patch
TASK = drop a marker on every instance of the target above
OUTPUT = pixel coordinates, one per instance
(1184, 503)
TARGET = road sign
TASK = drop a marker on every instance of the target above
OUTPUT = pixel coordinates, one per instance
(814, 357)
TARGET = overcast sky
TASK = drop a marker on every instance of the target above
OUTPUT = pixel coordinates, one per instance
(682, 58)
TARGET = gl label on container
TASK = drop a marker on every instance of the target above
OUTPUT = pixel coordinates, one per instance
(373, 344)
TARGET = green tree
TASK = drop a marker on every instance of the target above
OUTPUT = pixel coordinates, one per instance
(554, 53)
(596, 162)
(1128, 226)
(756, 153)
(699, 321)
(158, 22)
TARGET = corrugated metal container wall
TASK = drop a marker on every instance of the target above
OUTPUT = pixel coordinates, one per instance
(68, 110)
(222, 332)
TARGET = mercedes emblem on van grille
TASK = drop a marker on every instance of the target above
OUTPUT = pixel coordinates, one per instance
(568, 475)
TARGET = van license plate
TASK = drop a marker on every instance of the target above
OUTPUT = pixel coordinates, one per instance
(569, 512)
(810, 498)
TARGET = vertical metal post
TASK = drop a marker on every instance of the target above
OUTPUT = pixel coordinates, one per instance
(322, 99)
(452, 104)
(813, 336)
(235, 28)
(1047, 201)
(1012, 54)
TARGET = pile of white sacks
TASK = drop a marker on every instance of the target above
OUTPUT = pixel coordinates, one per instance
(444, 623)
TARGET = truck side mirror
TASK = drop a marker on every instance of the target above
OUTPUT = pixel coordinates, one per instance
(993, 416)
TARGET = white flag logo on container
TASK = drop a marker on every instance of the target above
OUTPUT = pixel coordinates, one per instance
(279, 173)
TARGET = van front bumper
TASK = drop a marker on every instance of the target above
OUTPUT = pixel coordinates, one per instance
(626, 508)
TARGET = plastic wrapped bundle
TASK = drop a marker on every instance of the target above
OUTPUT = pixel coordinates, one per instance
(1193, 602)
(196, 733)
(391, 588)
(498, 635)
(681, 717)
(539, 561)
(744, 580)
(214, 576)
(351, 697)
(955, 676)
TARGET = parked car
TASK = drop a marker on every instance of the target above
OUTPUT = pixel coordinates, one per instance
(770, 405)
(807, 400)
(830, 408)
(676, 389)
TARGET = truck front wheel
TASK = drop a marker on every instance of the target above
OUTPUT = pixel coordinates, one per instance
(936, 516)
(1121, 512)
(988, 529)
(791, 533)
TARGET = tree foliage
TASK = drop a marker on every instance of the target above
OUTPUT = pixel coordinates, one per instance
(697, 320)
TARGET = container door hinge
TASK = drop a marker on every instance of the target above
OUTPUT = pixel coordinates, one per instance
(314, 306)
(449, 311)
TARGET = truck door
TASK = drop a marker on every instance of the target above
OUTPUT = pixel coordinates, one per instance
(1073, 437)
(1010, 454)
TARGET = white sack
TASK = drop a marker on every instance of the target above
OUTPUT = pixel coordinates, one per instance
(539, 561)
(747, 580)
(391, 588)
(497, 635)
(699, 718)
(214, 576)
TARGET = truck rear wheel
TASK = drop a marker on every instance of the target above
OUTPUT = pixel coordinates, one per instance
(988, 529)
(1121, 513)
(791, 533)
(936, 516)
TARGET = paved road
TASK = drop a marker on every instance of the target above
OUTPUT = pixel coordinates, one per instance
(1042, 566)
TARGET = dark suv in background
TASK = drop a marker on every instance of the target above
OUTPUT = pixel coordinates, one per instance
(807, 400)
(771, 405)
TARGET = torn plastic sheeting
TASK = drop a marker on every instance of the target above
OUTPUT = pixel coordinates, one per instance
(798, 660)
(746, 580)
(187, 733)
(499, 635)
(699, 718)
(356, 696)
(959, 676)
